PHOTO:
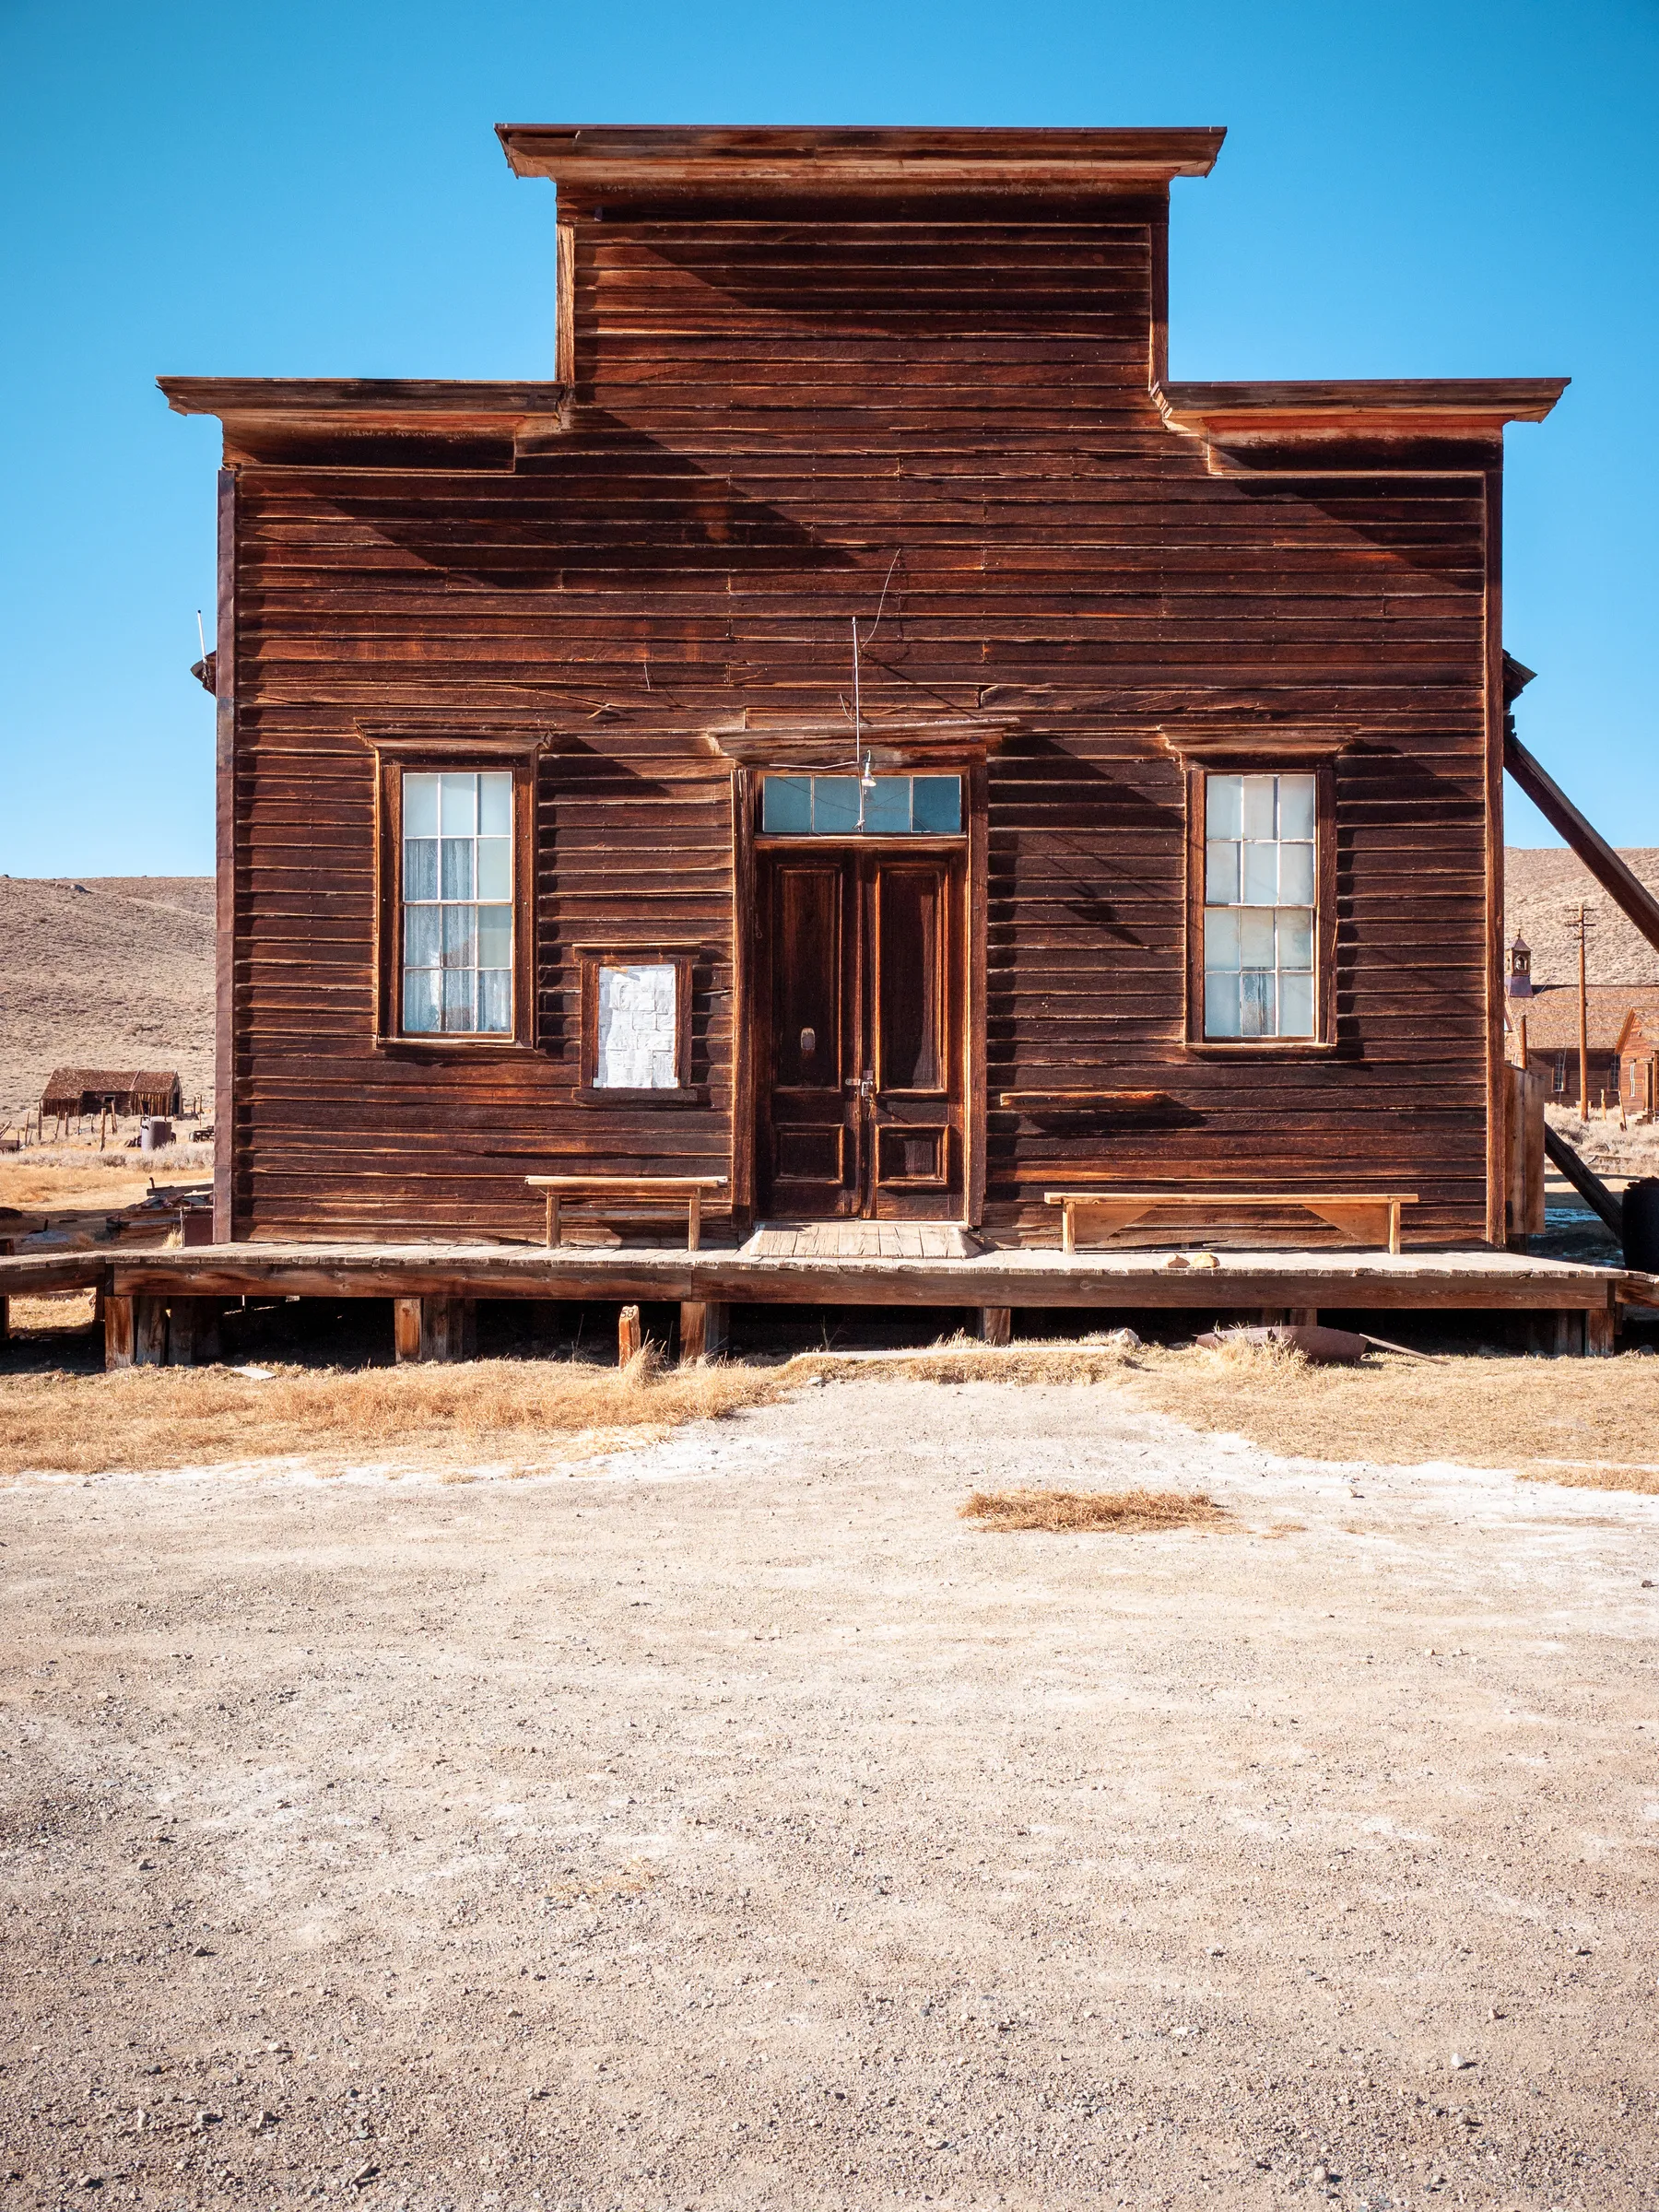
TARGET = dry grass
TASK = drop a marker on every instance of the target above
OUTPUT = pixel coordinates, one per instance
(1491, 1412)
(1594, 1476)
(1122, 1513)
(519, 1414)
(51, 1184)
(60, 1310)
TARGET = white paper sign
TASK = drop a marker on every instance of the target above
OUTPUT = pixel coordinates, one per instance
(637, 1041)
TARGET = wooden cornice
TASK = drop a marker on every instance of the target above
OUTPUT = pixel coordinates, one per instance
(1236, 738)
(1452, 409)
(277, 412)
(817, 742)
(797, 160)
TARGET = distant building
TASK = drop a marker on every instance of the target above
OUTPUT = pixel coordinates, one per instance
(79, 1090)
(1550, 1013)
(1638, 1059)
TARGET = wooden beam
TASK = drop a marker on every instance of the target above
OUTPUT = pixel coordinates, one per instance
(996, 1324)
(1608, 867)
(703, 1329)
(1585, 1182)
(437, 1328)
(1331, 1279)
(628, 1339)
(150, 1332)
(118, 1317)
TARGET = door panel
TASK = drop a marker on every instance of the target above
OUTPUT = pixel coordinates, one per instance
(809, 1153)
(861, 975)
(909, 990)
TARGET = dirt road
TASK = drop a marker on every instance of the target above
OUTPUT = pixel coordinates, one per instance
(734, 1826)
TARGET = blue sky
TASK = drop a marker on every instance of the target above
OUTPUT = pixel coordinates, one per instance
(303, 189)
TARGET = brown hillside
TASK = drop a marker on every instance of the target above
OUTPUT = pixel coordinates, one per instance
(117, 972)
(1542, 889)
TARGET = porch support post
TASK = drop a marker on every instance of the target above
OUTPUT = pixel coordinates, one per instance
(150, 1332)
(996, 1324)
(434, 1328)
(118, 1331)
(704, 1325)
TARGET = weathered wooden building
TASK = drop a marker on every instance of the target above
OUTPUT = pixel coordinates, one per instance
(859, 729)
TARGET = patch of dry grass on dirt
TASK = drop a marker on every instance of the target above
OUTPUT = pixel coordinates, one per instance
(1124, 1512)
(1479, 1412)
(1645, 1481)
(59, 1310)
(515, 1412)
(98, 1180)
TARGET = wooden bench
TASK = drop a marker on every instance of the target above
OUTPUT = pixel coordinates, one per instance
(1363, 1220)
(659, 1190)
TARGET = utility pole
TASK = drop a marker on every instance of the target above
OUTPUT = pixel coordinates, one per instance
(1582, 925)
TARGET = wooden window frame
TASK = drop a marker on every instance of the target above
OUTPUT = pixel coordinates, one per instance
(1324, 1038)
(683, 959)
(394, 755)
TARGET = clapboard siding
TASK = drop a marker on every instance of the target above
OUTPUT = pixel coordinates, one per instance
(768, 405)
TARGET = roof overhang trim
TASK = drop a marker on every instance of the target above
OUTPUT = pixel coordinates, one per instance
(249, 407)
(608, 157)
(1450, 409)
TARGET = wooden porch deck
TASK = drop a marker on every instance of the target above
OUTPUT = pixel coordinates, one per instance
(1012, 1278)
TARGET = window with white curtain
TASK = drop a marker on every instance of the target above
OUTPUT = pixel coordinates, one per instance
(457, 903)
(1259, 902)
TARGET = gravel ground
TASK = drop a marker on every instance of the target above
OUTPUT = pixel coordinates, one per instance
(732, 1825)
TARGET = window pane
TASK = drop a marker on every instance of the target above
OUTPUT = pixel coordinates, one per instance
(1220, 1005)
(420, 999)
(786, 805)
(460, 805)
(457, 867)
(1258, 807)
(1255, 937)
(936, 805)
(835, 806)
(495, 868)
(459, 984)
(1295, 937)
(1261, 875)
(1296, 874)
(495, 937)
(1221, 872)
(420, 867)
(460, 936)
(495, 999)
(494, 804)
(423, 935)
(1296, 1005)
(1256, 1004)
(1221, 938)
(1296, 807)
(1223, 814)
(886, 809)
(421, 806)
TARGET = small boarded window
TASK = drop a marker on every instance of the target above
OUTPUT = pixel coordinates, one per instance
(1259, 902)
(636, 1019)
(849, 807)
(457, 903)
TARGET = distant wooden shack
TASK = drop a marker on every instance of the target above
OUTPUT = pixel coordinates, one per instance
(1636, 1058)
(72, 1091)
(1552, 1034)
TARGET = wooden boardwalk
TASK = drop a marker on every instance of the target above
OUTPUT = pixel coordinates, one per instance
(160, 1297)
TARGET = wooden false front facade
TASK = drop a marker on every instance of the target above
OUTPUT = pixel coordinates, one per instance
(915, 382)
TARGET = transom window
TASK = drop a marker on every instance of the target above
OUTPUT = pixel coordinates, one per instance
(849, 807)
(457, 903)
(1258, 906)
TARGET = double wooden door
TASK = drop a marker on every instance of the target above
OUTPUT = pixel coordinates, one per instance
(861, 981)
